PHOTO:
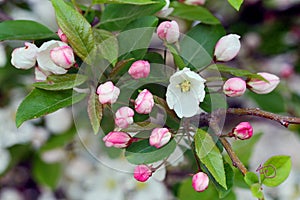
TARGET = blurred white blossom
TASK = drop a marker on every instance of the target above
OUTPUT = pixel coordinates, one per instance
(59, 121)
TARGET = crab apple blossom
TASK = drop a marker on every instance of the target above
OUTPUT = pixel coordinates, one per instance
(200, 182)
(234, 87)
(108, 93)
(185, 92)
(243, 131)
(142, 173)
(139, 69)
(144, 102)
(261, 86)
(117, 139)
(227, 47)
(168, 31)
(159, 137)
(124, 117)
(24, 57)
(63, 56)
(62, 36)
(48, 62)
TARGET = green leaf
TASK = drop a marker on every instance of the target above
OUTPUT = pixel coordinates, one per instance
(76, 28)
(275, 170)
(24, 30)
(197, 46)
(135, 39)
(243, 153)
(263, 101)
(107, 45)
(94, 111)
(45, 173)
(213, 101)
(59, 141)
(229, 180)
(117, 17)
(134, 2)
(42, 102)
(236, 4)
(107, 123)
(210, 156)
(177, 59)
(235, 71)
(251, 178)
(172, 119)
(154, 57)
(257, 191)
(193, 13)
(142, 153)
(61, 82)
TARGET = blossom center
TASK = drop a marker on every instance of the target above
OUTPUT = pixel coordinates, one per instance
(185, 86)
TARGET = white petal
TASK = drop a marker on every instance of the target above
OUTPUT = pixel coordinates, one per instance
(44, 60)
(24, 57)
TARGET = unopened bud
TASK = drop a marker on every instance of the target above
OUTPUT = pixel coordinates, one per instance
(159, 137)
(169, 31)
(227, 47)
(117, 139)
(200, 182)
(234, 87)
(142, 173)
(108, 93)
(261, 86)
(139, 69)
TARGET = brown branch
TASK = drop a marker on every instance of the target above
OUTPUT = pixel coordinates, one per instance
(235, 160)
(283, 120)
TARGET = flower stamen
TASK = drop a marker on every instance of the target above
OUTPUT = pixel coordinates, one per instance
(185, 86)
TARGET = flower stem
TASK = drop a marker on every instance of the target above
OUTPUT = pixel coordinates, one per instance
(235, 160)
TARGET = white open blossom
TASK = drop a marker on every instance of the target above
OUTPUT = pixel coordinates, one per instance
(185, 92)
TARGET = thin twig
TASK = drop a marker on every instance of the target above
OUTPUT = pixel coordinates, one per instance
(235, 160)
(283, 120)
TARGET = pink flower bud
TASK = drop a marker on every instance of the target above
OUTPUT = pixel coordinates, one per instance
(117, 139)
(169, 31)
(159, 137)
(62, 36)
(227, 47)
(144, 102)
(261, 86)
(124, 117)
(234, 87)
(24, 57)
(243, 131)
(63, 56)
(139, 69)
(142, 173)
(193, 2)
(108, 93)
(200, 182)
